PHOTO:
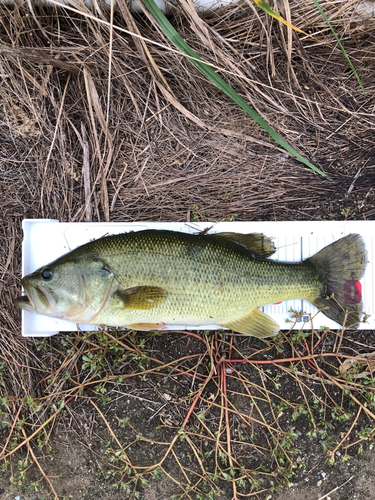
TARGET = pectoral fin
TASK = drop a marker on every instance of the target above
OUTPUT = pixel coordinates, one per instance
(258, 243)
(140, 297)
(256, 323)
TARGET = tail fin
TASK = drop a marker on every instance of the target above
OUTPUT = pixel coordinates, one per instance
(340, 267)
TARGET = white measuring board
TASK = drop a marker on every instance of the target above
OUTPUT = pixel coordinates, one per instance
(46, 240)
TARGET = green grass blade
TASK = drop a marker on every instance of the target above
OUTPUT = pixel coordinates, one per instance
(339, 44)
(269, 10)
(180, 43)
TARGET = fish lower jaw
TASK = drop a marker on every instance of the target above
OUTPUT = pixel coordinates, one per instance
(24, 303)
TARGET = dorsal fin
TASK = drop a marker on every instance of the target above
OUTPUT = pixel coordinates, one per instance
(258, 243)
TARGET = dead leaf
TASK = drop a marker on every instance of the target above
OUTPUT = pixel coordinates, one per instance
(365, 360)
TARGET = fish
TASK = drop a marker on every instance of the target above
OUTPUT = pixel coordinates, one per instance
(149, 279)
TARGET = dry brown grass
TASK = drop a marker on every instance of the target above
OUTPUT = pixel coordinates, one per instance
(98, 124)
(160, 138)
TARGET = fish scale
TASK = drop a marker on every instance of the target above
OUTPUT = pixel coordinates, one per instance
(208, 280)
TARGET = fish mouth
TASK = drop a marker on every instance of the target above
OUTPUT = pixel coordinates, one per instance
(37, 299)
(24, 303)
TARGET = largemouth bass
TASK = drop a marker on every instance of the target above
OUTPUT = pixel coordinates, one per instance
(149, 279)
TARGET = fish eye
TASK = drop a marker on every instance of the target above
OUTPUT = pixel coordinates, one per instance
(47, 274)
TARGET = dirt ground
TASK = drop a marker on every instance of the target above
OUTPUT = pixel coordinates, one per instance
(134, 419)
(354, 481)
(98, 124)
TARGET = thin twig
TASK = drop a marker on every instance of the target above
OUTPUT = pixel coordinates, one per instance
(335, 489)
(40, 467)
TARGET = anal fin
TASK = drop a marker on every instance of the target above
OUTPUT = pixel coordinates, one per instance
(256, 323)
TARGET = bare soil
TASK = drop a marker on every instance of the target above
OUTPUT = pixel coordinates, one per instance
(97, 126)
(79, 465)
